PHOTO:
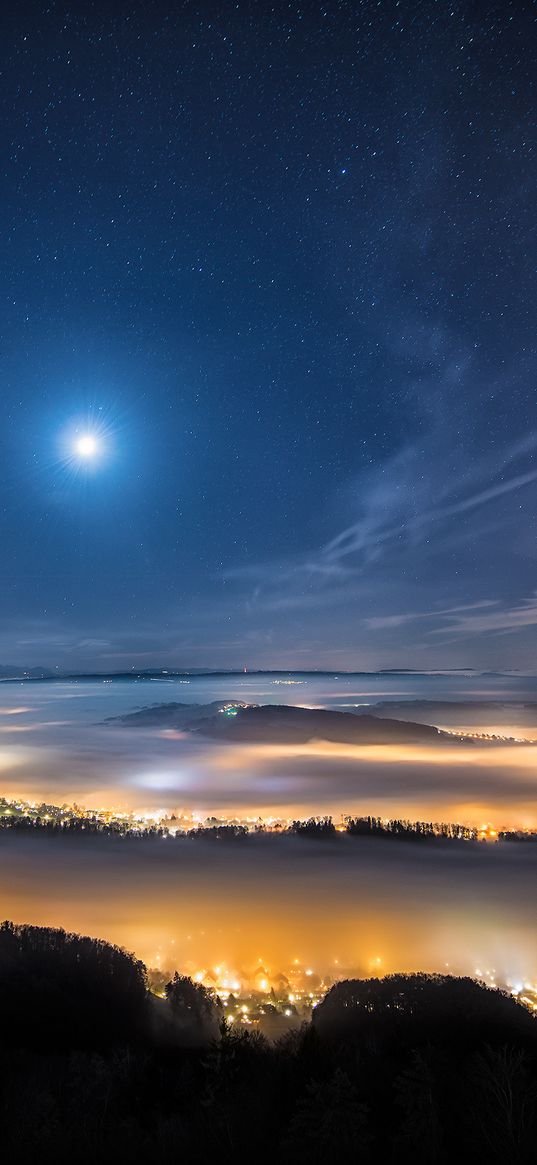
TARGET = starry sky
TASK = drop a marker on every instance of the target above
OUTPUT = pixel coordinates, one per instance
(280, 260)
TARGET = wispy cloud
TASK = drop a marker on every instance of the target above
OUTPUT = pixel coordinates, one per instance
(401, 620)
(501, 620)
(360, 536)
(398, 515)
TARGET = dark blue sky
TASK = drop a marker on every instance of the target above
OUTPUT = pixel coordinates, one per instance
(281, 259)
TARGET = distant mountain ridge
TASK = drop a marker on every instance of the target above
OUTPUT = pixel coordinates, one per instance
(18, 672)
(12, 672)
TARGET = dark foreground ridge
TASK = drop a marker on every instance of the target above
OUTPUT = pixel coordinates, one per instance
(409, 1068)
(280, 723)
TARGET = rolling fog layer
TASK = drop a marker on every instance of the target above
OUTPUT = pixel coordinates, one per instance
(189, 903)
(54, 747)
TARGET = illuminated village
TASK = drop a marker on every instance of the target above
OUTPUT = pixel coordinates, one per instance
(166, 823)
(274, 1002)
(270, 1001)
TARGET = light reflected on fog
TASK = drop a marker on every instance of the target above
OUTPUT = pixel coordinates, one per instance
(210, 904)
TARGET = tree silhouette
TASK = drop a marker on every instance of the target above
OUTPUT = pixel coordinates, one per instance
(322, 827)
(196, 1013)
(413, 1010)
(67, 990)
(329, 1126)
(416, 1093)
(503, 1104)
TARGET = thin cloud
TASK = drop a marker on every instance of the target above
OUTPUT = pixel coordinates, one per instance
(354, 539)
(503, 621)
(400, 620)
(395, 520)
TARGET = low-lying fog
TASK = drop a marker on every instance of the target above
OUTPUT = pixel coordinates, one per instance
(279, 898)
(189, 902)
(54, 746)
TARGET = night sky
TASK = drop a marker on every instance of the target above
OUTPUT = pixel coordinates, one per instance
(279, 262)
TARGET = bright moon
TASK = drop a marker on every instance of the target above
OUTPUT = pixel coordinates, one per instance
(86, 446)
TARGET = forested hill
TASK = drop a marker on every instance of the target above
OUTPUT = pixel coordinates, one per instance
(408, 1069)
(280, 723)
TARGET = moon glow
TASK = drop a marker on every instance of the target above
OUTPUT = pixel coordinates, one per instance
(87, 446)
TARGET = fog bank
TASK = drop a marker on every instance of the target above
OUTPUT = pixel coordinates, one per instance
(276, 898)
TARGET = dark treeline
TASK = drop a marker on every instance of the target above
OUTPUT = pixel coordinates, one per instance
(419, 1069)
(376, 827)
(312, 827)
(93, 826)
(77, 825)
(410, 830)
(54, 984)
(516, 835)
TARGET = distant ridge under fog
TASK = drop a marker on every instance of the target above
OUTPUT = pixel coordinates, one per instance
(279, 723)
(16, 672)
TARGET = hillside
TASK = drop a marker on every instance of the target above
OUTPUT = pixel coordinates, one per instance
(282, 723)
